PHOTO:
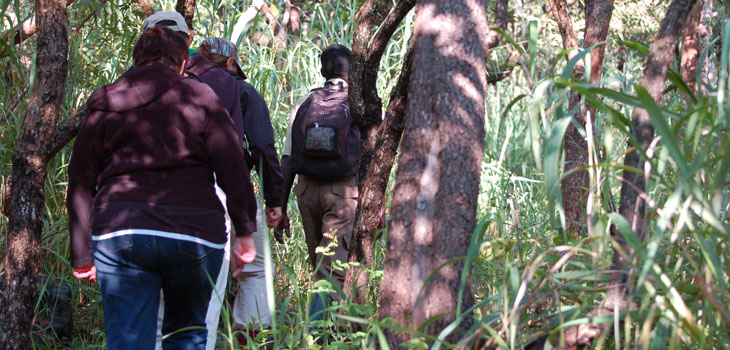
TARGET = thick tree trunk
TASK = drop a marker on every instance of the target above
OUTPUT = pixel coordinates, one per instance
(25, 208)
(433, 213)
(366, 108)
(187, 10)
(631, 207)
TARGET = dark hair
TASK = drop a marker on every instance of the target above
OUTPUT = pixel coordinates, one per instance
(160, 44)
(335, 62)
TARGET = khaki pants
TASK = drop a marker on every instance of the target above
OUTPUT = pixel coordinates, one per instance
(328, 214)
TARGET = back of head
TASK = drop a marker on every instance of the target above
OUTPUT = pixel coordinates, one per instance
(172, 19)
(160, 44)
(335, 62)
(169, 19)
(219, 51)
(217, 59)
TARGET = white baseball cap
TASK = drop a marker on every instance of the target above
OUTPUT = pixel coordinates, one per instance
(174, 16)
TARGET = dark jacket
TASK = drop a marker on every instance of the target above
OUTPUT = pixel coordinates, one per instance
(144, 158)
(260, 137)
(223, 84)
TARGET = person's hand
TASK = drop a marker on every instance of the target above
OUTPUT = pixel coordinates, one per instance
(87, 272)
(282, 229)
(273, 216)
(243, 252)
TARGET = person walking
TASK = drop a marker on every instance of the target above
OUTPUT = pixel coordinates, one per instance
(250, 309)
(226, 88)
(323, 148)
(143, 211)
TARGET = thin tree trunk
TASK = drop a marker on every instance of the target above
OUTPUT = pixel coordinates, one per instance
(631, 207)
(373, 187)
(25, 30)
(433, 213)
(146, 7)
(575, 187)
(598, 18)
(366, 108)
(25, 208)
(187, 10)
(690, 47)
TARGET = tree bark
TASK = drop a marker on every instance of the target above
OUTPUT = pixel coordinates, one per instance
(373, 187)
(433, 213)
(366, 105)
(66, 131)
(690, 47)
(25, 30)
(146, 7)
(25, 209)
(187, 10)
(575, 187)
(631, 207)
(658, 64)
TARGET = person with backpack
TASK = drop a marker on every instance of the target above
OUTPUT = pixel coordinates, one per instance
(250, 310)
(323, 148)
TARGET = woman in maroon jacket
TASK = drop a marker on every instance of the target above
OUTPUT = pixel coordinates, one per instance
(143, 212)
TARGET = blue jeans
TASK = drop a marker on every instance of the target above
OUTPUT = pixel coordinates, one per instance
(132, 269)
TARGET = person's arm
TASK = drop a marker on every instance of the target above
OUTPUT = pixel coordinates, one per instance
(225, 156)
(83, 172)
(288, 172)
(260, 136)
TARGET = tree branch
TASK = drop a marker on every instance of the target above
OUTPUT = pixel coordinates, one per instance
(146, 7)
(187, 10)
(365, 104)
(66, 131)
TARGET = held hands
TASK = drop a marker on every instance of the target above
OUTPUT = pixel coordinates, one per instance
(87, 272)
(273, 216)
(243, 252)
(282, 229)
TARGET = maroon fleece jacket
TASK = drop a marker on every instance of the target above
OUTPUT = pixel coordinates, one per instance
(224, 86)
(145, 156)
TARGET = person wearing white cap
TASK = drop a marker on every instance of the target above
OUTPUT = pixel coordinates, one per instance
(226, 88)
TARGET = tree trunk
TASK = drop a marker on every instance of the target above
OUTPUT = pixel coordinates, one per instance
(690, 47)
(658, 64)
(575, 187)
(25, 30)
(631, 206)
(25, 208)
(366, 105)
(146, 7)
(373, 187)
(433, 213)
(187, 10)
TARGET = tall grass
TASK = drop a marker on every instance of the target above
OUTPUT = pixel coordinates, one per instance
(530, 279)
